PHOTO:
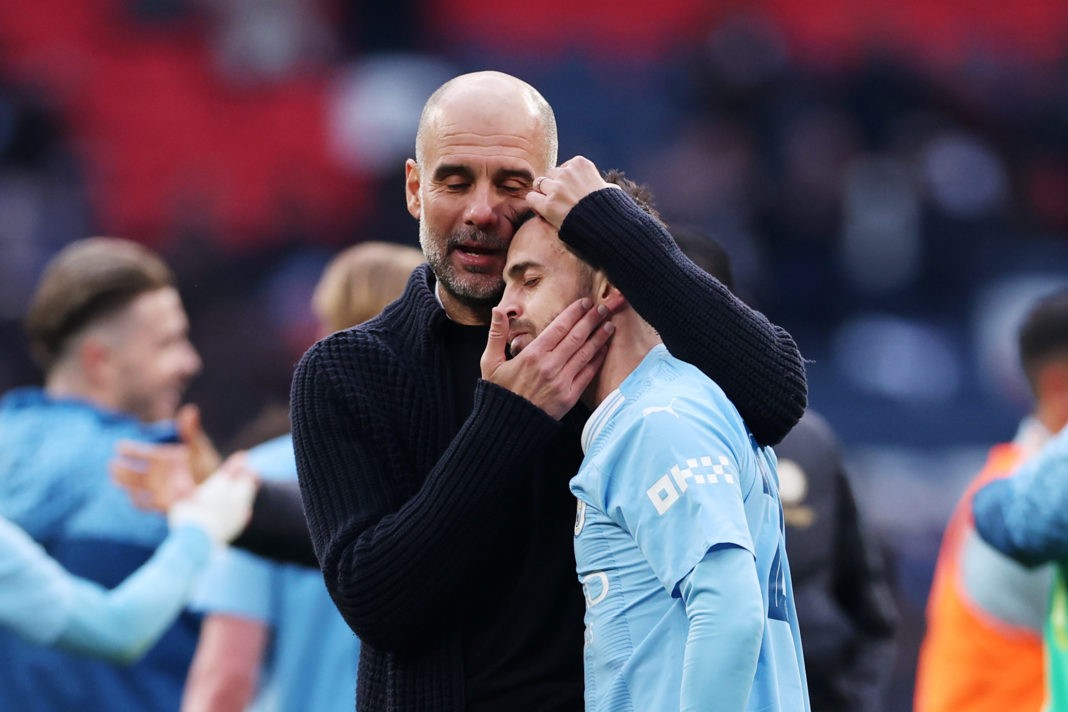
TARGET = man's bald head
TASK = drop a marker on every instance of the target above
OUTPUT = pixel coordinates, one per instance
(492, 92)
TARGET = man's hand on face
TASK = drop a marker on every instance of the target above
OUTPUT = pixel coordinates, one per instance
(560, 189)
(556, 367)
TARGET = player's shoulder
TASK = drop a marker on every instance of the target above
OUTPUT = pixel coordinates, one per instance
(1058, 444)
(274, 459)
(689, 403)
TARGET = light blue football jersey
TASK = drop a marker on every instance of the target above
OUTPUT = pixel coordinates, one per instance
(671, 471)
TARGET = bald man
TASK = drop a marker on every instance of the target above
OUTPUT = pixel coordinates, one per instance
(436, 491)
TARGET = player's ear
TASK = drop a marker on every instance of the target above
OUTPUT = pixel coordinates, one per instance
(607, 293)
(96, 358)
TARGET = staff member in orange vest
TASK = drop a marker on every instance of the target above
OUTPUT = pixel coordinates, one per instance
(983, 647)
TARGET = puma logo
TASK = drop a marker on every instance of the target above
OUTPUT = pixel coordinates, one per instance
(669, 408)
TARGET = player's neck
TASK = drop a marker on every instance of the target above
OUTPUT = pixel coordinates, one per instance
(631, 342)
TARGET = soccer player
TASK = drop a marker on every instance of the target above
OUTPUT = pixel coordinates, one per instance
(985, 611)
(679, 530)
(107, 325)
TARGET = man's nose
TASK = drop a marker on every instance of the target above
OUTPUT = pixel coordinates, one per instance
(509, 305)
(483, 207)
(193, 362)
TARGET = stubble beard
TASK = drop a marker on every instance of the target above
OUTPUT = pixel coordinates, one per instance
(473, 289)
(583, 288)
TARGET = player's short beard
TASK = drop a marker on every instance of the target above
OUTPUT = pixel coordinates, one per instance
(472, 289)
(583, 288)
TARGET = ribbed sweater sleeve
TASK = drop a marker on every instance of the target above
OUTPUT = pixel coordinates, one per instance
(395, 543)
(756, 363)
(277, 529)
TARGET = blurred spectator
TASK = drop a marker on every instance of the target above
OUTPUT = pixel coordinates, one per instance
(266, 41)
(42, 193)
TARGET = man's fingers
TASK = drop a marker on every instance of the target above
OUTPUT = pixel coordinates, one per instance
(577, 317)
(126, 475)
(496, 343)
(590, 350)
(150, 452)
(589, 371)
(133, 481)
(236, 463)
(537, 201)
(136, 451)
(188, 423)
(577, 339)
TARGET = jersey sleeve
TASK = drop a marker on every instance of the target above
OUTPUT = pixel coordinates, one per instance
(36, 594)
(121, 624)
(1025, 516)
(45, 604)
(237, 583)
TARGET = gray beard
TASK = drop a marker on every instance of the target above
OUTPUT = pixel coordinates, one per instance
(463, 288)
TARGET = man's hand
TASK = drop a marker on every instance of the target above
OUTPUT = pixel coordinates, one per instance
(222, 505)
(561, 189)
(204, 459)
(157, 475)
(154, 475)
(556, 367)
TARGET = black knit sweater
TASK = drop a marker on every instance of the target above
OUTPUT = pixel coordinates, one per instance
(404, 504)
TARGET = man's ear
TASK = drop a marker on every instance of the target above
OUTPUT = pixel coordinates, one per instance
(412, 182)
(95, 359)
(1053, 380)
(608, 294)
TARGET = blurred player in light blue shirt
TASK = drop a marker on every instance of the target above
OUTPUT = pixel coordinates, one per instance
(678, 530)
(273, 640)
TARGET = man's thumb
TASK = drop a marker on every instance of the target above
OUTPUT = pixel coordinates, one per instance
(494, 354)
(190, 430)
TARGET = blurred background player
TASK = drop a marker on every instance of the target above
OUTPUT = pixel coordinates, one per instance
(986, 612)
(47, 606)
(272, 639)
(107, 326)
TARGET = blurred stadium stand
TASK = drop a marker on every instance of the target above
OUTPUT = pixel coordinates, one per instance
(890, 177)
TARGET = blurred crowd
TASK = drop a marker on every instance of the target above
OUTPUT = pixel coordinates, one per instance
(895, 204)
